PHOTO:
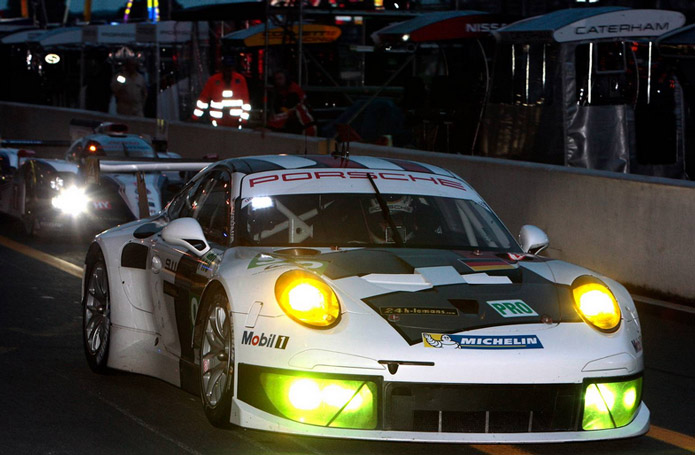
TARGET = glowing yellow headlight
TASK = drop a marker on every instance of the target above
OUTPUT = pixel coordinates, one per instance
(596, 304)
(307, 299)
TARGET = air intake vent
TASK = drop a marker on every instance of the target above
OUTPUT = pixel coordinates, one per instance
(465, 306)
(479, 408)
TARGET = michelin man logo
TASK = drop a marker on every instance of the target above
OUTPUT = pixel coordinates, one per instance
(445, 341)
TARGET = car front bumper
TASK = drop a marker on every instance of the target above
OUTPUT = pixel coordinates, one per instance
(247, 416)
(370, 408)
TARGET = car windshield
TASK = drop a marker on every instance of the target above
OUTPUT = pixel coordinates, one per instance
(358, 220)
(132, 147)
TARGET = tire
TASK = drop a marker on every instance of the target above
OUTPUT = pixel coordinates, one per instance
(29, 225)
(216, 362)
(29, 221)
(96, 316)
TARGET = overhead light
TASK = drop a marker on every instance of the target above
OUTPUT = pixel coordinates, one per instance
(52, 59)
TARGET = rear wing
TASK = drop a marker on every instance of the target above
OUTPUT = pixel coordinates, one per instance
(94, 167)
(117, 167)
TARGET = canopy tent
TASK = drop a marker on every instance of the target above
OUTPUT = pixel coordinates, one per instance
(58, 37)
(567, 91)
(109, 34)
(22, 36)
(7, 28)
(683, 35)
(446, 96)
(440, 26)
(171, 32)
(255, 36)
(678, 43)
(592, 24)
(166, 32)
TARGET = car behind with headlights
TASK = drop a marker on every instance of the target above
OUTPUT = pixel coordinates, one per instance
(63, 194)
(363, 298)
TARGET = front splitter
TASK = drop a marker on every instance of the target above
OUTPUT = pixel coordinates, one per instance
(247, 416)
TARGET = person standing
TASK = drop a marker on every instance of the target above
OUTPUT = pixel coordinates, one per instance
(290, 112)
(225, 97)
(130, 89)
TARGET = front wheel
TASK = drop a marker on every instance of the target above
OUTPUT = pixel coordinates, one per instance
(30, 225)
(96, 313)
(217, 361)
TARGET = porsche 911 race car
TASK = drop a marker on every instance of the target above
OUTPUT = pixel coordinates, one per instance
(54, 193)
(363, 298)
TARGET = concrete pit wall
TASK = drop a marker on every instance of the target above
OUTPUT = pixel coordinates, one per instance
(634, 229)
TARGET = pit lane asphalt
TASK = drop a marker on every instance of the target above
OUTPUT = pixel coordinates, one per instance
(50, 402)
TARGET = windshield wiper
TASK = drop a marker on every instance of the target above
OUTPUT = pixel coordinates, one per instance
(387, 213)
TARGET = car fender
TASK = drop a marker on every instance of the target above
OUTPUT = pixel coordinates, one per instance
(123, 312)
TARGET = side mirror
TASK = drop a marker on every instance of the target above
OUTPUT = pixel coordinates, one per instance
(186, 232)
(533, 240)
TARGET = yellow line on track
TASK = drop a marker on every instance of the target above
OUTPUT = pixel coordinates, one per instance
(674, 438)
(46, 258)
(501, 449)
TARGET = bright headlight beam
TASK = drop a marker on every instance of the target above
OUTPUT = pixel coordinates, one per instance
(596, 304)
(630, 397)
(307, 299)
(337, 396)
(330, 402)
(72, 201)
(305, 394)
(611, 404)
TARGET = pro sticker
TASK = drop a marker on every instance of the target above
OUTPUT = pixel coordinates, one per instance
(512, 308)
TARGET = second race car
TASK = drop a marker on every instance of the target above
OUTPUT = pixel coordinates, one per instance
(62, 193)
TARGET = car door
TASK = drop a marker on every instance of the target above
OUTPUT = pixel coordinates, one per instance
(182, 275)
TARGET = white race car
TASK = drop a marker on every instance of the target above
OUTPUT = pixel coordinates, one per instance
(59, 194)
(363, 298)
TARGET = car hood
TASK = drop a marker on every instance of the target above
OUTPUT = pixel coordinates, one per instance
(440, 291)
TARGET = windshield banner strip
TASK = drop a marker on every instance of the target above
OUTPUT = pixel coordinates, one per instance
(314, 181)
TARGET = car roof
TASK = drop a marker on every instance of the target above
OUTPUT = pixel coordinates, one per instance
(264, 163)
(115, 142)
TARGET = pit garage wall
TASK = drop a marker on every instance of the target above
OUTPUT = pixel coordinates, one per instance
(638, 230)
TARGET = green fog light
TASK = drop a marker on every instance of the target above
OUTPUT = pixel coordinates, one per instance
(326, 402)
(611, 404)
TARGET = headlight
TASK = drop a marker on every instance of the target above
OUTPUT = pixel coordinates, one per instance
(72, 201)
(596, 303)
(307, 299)
(323, 401)
(57, 184)
(611, 404)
